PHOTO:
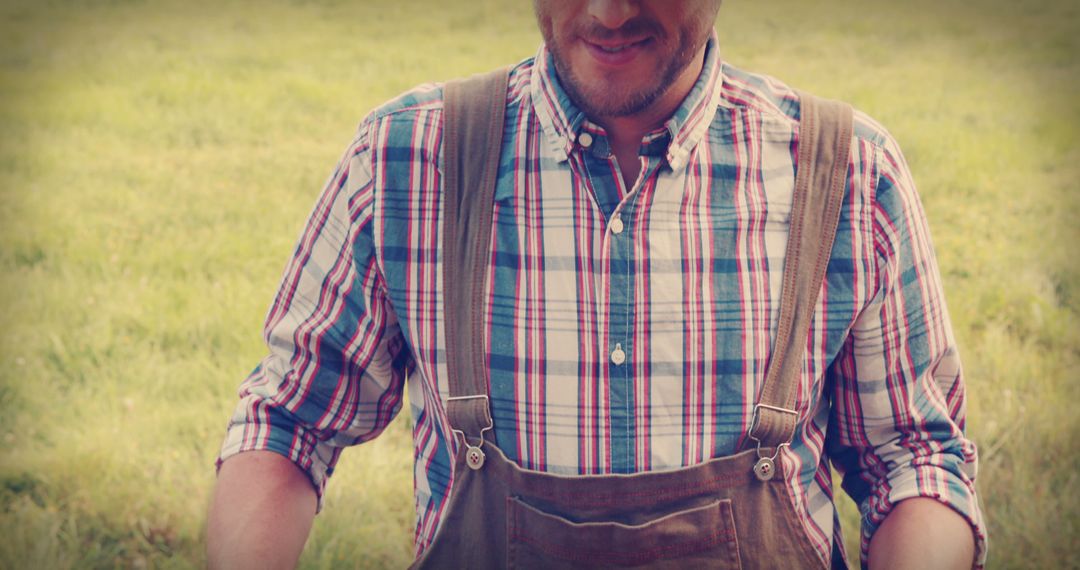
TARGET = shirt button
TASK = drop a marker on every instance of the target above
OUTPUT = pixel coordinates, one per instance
(585, 139)
(616, 226)
(617, 355)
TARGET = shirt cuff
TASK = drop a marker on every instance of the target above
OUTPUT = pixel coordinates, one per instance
(282, 436)
(931, 481)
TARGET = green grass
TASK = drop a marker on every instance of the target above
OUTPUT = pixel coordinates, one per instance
(157, 160)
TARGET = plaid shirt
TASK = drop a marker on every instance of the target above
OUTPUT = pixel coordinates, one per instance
(679, 274)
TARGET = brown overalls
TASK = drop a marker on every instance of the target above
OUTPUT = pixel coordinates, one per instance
(729, 512)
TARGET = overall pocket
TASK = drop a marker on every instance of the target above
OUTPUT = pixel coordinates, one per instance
(700, 537)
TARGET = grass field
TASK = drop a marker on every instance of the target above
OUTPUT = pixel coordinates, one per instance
(157, 160)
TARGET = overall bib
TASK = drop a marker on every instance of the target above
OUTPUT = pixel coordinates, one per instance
(729, 512)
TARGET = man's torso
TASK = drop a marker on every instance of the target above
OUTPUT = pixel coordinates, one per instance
(628, 329)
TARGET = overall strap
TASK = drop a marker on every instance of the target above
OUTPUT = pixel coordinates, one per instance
(825, 131)
(474, 112)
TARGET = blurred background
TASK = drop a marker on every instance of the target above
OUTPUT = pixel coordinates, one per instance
(158, 160)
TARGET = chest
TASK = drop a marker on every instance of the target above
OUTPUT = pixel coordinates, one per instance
(640, 319)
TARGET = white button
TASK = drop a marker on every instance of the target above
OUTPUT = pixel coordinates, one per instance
(617, 355)
(585, 139)
(616, 226)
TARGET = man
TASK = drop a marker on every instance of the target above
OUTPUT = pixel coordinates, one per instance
(637, 254)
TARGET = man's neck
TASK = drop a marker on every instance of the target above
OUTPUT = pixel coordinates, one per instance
(625, 133)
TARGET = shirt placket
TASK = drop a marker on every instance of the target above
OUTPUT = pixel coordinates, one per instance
(616, 206)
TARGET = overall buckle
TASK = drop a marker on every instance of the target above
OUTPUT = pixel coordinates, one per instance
(765, 468)
(474, 454)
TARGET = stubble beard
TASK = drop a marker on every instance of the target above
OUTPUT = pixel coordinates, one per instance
(604, 99)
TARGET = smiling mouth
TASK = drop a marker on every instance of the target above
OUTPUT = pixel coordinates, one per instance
(618, 48)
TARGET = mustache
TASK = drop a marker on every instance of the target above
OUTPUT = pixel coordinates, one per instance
(631, 30)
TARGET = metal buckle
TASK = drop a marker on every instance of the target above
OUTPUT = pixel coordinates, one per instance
(765, 468)
(474, 454)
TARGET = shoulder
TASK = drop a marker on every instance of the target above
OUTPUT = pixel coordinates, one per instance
(407, 129)
(402, 138)
(775, 100)
(419, 100)
(426, 101)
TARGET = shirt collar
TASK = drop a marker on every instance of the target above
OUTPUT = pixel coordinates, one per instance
(561, 120)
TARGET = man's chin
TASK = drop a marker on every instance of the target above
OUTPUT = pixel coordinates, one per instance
(609, 102)
(606, 93)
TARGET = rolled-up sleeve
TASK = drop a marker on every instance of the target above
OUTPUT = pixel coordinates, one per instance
(337, 360)
(897, 424)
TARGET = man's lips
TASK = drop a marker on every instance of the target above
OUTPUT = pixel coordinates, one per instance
(616, 52)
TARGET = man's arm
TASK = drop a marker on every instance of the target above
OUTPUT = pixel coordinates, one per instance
(922, 533)
(896, 427)
(261, 513)
(333, 378)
